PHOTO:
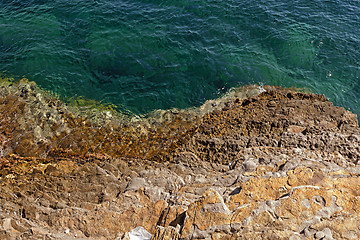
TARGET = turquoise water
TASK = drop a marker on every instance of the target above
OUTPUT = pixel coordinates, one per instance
(147, 54)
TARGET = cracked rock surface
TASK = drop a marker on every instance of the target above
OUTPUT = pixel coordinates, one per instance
(280, 165)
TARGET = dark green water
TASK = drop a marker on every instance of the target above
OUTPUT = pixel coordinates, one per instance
(147, 54)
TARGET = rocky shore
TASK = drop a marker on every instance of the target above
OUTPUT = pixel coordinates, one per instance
(270, 164)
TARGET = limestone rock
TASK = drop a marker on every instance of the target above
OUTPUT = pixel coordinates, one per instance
(168, 233)
(279, 165)
(209, 211)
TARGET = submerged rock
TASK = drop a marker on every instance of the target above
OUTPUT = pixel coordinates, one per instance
(280, 165)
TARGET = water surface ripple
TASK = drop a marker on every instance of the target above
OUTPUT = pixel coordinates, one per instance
(147, 54)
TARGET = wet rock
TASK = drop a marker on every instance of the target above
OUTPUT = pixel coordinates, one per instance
(280, 165)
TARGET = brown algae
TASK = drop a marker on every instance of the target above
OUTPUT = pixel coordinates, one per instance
(35, 123)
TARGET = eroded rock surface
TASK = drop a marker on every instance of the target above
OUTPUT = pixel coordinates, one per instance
(282, 165)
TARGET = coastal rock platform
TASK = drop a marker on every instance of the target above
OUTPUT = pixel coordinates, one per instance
(279, 165)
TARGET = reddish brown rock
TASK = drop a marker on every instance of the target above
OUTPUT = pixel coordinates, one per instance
(209, 211)
(168, 233)
(280, 165)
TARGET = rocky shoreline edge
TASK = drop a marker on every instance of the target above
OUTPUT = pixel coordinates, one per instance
(275, 164)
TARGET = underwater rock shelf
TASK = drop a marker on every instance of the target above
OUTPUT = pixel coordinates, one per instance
(262, 163)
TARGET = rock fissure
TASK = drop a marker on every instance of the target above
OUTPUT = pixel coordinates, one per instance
(279, 165)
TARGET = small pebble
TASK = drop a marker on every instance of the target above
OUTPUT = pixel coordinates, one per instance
(328, 233)
(319, 235)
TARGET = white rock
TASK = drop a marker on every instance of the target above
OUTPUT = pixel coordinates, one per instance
(139, 233)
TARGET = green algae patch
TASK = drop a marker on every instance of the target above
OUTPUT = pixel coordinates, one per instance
(35, 123)
(5, 82)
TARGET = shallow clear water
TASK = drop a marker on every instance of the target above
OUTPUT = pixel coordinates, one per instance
(147, 54)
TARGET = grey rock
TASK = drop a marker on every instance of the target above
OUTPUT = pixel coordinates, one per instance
(135, 184)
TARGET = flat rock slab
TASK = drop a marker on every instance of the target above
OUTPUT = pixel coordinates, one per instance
(280, 165)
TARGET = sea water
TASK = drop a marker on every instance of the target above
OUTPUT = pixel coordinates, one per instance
(142, 55)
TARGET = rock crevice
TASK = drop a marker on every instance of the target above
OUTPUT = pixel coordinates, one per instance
(280, 165)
